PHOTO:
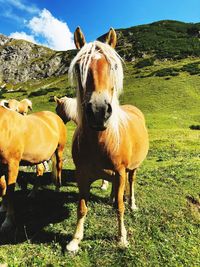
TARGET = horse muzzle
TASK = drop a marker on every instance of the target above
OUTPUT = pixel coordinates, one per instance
(98, 115)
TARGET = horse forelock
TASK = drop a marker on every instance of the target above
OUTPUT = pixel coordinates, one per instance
(95, 50)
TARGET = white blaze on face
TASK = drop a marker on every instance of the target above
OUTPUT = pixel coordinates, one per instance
(101, 98)
(97, 56)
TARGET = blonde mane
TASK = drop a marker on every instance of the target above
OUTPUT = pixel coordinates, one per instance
(70, 107)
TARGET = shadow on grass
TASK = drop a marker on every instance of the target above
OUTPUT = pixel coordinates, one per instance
(48, 207)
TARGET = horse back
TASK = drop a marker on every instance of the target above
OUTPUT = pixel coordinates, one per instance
(45, 132)
(134, 141)
(130, 109)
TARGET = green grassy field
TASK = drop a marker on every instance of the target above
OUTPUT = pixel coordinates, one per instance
(166, 229)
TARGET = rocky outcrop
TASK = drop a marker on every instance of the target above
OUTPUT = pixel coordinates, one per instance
(21, 61)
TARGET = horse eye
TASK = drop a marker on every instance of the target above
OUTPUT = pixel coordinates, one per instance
(114, 67)
(77, 67)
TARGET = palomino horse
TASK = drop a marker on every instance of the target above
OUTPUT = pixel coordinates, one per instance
(111, 141)
(27, 140)
(20, 106)
(67, 110)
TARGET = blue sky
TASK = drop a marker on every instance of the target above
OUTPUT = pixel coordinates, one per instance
(52, 22)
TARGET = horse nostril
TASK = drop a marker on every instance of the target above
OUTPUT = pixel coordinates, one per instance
(89, 110)
(109, 109)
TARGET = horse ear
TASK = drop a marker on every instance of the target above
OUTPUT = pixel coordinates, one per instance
(57, 100)
(79, 38)
(111, 38)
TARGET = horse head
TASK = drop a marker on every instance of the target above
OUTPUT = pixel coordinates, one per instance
(99, 73)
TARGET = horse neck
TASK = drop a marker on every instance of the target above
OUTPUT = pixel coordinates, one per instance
(70, 109)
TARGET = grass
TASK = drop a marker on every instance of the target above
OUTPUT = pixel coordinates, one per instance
(165, 230)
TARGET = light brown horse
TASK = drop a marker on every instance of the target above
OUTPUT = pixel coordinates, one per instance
(66, 109)
(111, 141)
(24, 106)
(21, 107)
(27, 140)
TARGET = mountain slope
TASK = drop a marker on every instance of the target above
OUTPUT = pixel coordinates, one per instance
(162, 39)
(22, 61)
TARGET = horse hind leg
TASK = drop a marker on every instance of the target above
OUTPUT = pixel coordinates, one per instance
(39, 173)
(131, 180)
(13, 169)
(84, 188)
(57, 163)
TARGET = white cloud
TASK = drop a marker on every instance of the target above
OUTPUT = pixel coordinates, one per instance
(23, 36)
(55, 32)
(43, 28)
(21, 5)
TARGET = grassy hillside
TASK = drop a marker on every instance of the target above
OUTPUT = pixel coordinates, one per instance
(162, 39)
(165, 230)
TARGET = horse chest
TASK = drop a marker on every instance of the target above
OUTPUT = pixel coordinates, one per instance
(91, 155)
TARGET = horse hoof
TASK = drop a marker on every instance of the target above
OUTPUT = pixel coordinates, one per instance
(123, 243)
(72, 247)
(6, 227)
(134, 208)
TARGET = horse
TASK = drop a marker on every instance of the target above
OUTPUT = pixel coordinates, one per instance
(20, 106)
(66, 108)
(28, 140)
(23, 107)
(111, 141)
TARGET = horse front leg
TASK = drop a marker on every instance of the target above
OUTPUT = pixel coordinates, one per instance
(119, 198)
(13, 169)
(59, 163)
(132, 178)
(84, 188)
(3, 187)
